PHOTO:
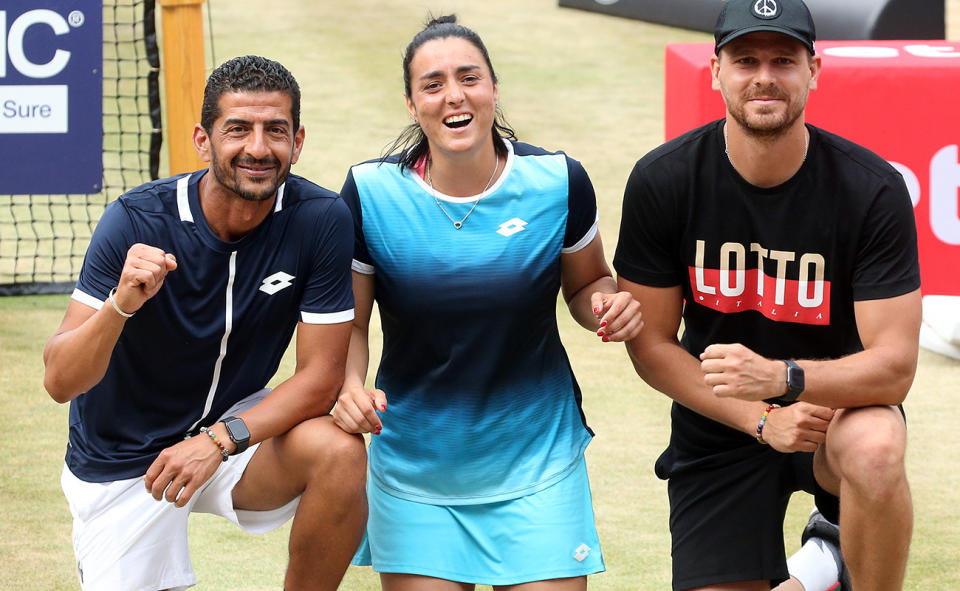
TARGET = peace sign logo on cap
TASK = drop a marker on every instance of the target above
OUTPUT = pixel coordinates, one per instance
(766, 9)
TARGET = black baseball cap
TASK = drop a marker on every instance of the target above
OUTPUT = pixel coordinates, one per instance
(790, 17)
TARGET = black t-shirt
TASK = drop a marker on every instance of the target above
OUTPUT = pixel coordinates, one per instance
(777, 269)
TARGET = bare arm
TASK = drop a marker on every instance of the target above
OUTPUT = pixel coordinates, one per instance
(77, 355)
(356, 410)
(308, 393)
(312, 389)
(666, 366)
(592, 296)
(881, 374)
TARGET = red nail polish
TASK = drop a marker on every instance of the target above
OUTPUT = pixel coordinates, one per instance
(596, 310)
(605, 339)
(600, 333)
(383, 406)
(602, 324)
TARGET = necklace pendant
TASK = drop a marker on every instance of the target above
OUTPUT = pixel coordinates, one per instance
(457, 225)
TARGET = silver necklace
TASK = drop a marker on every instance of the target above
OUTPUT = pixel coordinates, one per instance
(726, 150)
(436, 197)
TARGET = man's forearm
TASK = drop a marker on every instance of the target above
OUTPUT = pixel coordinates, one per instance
(76, 359)
(301, 397)
(670, 369)
(868, 378)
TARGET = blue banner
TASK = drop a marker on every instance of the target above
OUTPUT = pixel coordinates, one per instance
(51, 97)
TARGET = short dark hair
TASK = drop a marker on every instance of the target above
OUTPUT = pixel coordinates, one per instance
(248, 73)
(412, 141)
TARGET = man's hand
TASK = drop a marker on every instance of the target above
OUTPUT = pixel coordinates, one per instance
(180, 470)
(142, 276)
(798, 427)
(734, 371)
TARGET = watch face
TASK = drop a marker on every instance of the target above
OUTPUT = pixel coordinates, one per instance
(794, 380)
(237, 430)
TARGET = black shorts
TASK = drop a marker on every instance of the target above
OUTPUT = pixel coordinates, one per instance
(726, 520)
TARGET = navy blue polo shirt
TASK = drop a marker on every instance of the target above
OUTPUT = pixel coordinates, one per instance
(218, 327)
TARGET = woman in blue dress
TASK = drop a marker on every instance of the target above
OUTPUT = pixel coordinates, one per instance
(464, 237)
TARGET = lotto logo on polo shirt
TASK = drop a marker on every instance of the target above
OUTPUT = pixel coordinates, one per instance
(276, 282)
(796, 292)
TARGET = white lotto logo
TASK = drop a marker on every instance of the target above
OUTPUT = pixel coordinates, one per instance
(581, 553)
(276, 282)
(511, 227)
(34, 108)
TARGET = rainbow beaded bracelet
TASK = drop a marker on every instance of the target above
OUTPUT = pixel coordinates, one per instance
(763, 421)
(213, 437)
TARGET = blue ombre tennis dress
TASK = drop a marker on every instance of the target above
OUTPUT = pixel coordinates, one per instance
(483, 408)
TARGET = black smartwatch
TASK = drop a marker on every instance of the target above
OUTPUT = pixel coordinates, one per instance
(239, 435)
(794, 381)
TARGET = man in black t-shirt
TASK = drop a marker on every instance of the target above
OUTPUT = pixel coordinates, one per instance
(790, 254)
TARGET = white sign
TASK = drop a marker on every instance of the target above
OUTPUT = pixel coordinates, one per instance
(871, 51)
(33, 109)
(13, 42)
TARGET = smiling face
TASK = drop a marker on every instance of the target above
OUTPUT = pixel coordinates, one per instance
(252, 144)
(452, 95)
(765, 78)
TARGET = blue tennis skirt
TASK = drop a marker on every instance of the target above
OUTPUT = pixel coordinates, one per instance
(550, 534)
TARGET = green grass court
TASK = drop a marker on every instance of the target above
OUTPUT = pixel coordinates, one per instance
(588, 84)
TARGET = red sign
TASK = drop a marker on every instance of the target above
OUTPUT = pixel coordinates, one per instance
(897, 98)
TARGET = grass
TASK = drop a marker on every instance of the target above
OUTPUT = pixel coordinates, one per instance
(572, 80)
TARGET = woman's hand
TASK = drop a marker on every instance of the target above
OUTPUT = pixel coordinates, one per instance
(619, 315)
(356, 410)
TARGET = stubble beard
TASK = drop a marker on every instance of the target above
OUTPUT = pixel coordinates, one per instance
(230, 177)
(767, 125)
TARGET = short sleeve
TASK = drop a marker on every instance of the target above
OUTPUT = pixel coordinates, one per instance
(106, 253)
(647, 248)
(328, 296)
(582, 215)
(887, 262)
(361, 262)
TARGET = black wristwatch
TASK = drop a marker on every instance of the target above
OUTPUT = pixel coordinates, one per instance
(238, 432)
(794, 381)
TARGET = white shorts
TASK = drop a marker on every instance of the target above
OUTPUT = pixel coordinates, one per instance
(125, 539)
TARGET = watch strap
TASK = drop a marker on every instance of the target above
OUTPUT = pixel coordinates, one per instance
(795, 381)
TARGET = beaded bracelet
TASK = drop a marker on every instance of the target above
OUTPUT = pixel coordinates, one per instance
(763, 421)
(116, 307)
(213, 437)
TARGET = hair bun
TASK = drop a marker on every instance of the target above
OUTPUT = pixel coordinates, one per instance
(442, 20)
